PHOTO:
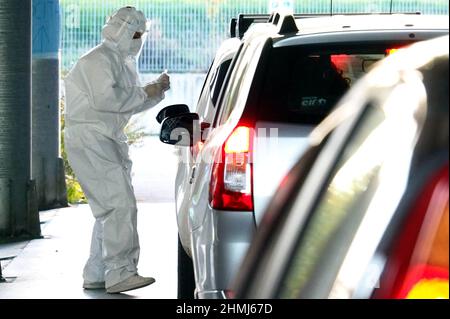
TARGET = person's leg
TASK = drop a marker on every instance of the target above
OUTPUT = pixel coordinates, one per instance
(94, 270)
(120, 245)
(135, 251)
(121, 250)
(103, 169)
(115, 249)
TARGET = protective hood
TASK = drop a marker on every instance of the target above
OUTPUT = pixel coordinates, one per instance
(120, 29)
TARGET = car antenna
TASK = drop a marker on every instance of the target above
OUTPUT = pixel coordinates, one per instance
(331, 7)
(390, 12)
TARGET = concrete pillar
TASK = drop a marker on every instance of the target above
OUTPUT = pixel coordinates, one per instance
(18, 212)
(47, 166)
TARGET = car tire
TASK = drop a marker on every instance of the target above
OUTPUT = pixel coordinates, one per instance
(186, 279)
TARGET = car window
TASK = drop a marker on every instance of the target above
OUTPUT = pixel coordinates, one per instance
(202, 92)
(240, 79)
(218, 80)
(206, 106)
(332, 224)
(302, 85)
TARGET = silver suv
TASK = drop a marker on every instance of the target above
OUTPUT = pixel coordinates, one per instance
(264, 94)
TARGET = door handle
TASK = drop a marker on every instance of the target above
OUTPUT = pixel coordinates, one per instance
(191, 179)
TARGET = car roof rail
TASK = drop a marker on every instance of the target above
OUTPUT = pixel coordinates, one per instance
(244, 21)
(239, 26)
(285, 23)
(233, 25)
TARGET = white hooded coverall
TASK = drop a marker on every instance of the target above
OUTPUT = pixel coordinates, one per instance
(102, 93)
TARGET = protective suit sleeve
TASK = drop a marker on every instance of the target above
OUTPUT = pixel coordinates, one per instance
(151, 101)
(106, 95)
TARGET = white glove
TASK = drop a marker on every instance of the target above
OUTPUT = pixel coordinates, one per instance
(164, 79)
(154, 89)
(158, 87)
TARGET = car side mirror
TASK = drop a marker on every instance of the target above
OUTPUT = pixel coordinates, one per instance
(171, 111)
(179, 130)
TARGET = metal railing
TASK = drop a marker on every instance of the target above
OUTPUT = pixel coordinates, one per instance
(184, 34)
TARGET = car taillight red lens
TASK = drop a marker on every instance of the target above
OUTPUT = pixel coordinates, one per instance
(239, 141)
(418, 266)
(231, 180)
(425, 282)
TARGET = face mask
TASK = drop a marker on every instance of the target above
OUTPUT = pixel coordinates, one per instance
(135, 47)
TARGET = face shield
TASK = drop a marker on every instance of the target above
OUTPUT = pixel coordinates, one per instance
(127, 29)
(138, 41)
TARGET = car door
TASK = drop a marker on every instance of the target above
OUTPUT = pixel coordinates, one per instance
(206, 109)
(232, 104)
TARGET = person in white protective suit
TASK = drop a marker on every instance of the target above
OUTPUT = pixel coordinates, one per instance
(103, 91)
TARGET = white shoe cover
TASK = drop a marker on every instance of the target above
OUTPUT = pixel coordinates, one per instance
(134, 282)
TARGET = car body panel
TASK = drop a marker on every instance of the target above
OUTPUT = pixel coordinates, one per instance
(277, 147)
(361, 36)
(220, 245)
(224, 254)
(367, 23)
(186, 164)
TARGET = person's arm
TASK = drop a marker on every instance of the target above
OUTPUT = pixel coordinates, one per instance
(105, 95)
(155, 92)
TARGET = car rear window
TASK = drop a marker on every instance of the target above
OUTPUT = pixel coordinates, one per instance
(303, 86)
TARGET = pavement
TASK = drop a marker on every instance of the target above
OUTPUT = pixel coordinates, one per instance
(154, 171)
(51, 267)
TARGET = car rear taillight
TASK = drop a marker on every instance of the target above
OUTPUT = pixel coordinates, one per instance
(231, 180)
(393, 50)
(419, 263)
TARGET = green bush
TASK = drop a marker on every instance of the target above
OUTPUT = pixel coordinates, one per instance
(135, 133)
(75, 194)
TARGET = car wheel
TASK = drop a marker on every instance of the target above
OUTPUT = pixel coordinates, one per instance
(186, 279)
